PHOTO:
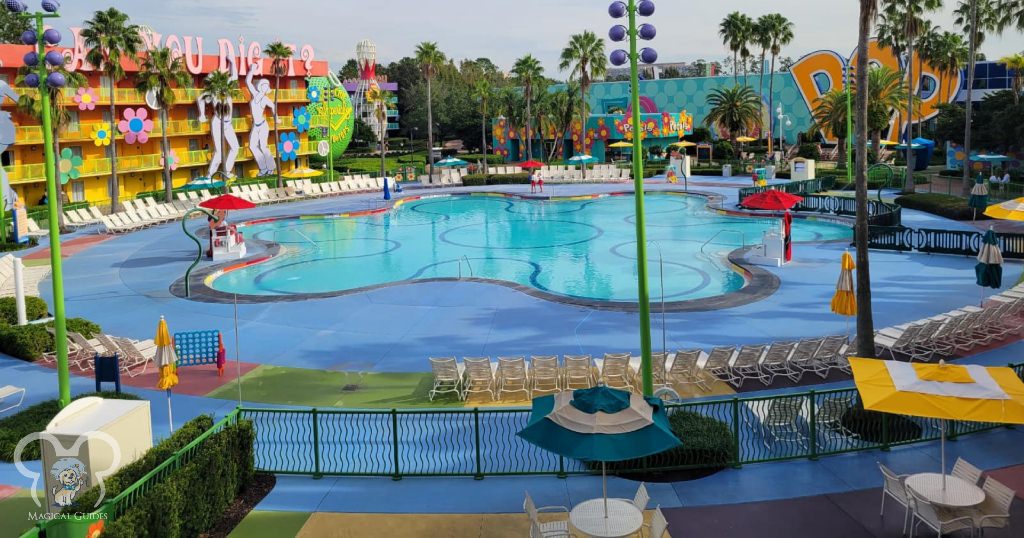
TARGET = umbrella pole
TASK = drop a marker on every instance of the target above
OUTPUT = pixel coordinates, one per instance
(604, 488)
(170, 418)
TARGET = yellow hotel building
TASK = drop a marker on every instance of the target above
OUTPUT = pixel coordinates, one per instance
(140, 165)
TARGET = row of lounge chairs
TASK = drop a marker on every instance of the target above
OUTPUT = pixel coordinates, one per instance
(600, 173)
(447, 177)
(135, 355)
(142, 213)
(955, 332)
(545, 373)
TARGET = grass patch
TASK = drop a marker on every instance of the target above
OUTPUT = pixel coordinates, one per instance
(943, 205)
(319, 388)
(34, 419)
(262, 524)
(14, 512)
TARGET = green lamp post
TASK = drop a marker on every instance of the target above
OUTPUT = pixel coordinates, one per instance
(44, 79)
(618, 10)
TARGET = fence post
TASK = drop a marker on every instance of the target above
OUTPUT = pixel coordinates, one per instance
(736, 432)
(394, 443)
(476, 429)
(316, 445)
(951, 434)
(814, 425)
(885, 432)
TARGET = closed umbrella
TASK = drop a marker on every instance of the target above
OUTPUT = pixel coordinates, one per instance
(844, 302)
(599, 424)
(989, 271)
(979, 195)
(167, 361)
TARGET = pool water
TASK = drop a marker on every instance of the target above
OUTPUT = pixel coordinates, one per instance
(583, 249)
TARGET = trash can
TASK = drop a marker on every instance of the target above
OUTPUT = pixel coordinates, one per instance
(727, 170)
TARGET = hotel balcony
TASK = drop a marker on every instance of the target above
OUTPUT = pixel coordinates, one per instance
(33, 134)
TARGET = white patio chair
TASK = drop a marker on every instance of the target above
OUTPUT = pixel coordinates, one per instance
(776, 362)
(994, 511)
(658, 525)
(967, 472)
(641, 498)
(940, 520)
(894, 487)
(549, 529)
(830, 355)
(447, 377)
(579, 372)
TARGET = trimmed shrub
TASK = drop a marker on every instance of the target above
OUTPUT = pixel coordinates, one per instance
(868, 425)
(27, 342)
(492, 159)
(131, 473)
(35, 308)
(193, 498)
(81, 326)
(707, 443)
(11, 247)
(723, 150)
(809, 151)
(473, 180)
(944, 205)
(34, 419)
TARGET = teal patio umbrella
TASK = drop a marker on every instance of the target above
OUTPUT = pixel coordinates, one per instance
(201, 183)
(451, 162)
(979, 195)
(582, 159)
(989, 271)
(599, 424)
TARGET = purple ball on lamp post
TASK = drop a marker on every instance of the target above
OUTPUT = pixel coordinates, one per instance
(645, 8)
(16, 6)
(51, 36)
(28, 37)
(54, 58)
(56, 80)
(647, 31)
(32, 80)
(617, 9)
(31, 59)
(51, 6)
(648, 55)
(617, 33)
(618, 57)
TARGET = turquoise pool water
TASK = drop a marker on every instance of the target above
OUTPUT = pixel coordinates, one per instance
(584, 249)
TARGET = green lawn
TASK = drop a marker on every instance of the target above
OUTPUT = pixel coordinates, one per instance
(14, 512)
(259, 524)
(324, 388)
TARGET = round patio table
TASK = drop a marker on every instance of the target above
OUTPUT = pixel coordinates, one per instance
(959, 493)
(623, 519)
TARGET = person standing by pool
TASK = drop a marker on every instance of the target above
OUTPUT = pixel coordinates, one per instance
(532, 178)
(539, 179)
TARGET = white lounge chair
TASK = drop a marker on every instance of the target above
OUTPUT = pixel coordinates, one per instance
(7, 393)
(447, 377)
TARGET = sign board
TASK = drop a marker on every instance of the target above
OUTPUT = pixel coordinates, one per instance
(323, 148)
(799, 166)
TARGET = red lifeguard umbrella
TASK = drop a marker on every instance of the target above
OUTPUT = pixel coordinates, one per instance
(227, 202)
(772, 200)
(531, 164)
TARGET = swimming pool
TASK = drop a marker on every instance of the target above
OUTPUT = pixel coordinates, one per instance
(576, 249)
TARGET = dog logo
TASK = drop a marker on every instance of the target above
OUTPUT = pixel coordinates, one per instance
(68, 476)
(71, 478)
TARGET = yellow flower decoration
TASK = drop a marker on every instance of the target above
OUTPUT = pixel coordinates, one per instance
(101, 135)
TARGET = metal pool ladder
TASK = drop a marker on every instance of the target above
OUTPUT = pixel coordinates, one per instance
(460, 260)
(743, 243)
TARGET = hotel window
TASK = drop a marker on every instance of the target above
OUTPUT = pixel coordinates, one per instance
(77, 191)
(104, 82)
(193, 144)
(194, 173)
(106, 115)
(76, 151)
(73, 120)
(5, 78)
(193, 114)
(293, 84)
(7, 158)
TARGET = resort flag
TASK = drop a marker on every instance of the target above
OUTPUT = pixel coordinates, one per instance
(167, 361)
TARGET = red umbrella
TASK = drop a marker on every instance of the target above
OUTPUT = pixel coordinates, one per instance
(531, 164)
(227, 202)
(771, 200)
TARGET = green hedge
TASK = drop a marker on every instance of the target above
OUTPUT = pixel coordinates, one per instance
(11, 247)
(193, 498)
(35, 308)
(944, 205)
(34, 419)
(473, 180)
(131, 473)
(27, 342)
(868, 426)
(706, 443)
(492, 159)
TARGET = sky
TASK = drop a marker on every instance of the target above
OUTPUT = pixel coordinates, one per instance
(500, 30)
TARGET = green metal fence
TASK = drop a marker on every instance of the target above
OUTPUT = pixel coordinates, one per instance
(933, 241)
(482, 442)
(808, 186)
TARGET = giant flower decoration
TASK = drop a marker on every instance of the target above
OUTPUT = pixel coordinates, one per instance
(172, 159)
(301, 119)
(136, 125)
(101, 135)
(313, 94)
(288, 147)
(86, 99)
(69, 166)
(95, 530)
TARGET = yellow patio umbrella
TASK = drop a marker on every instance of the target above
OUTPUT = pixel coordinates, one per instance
(844, 302)
(942, 391)
(745, 139)
(1008, 210)
(302, 173)
(167, 361)
(683, 144)
(620, 144)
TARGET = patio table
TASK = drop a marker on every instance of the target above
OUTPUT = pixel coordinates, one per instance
(959, 493)
(623, 519)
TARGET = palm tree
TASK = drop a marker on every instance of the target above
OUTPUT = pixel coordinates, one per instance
(887, 91)
(29, 105)
(865, 340)
(218, 88)
(111, 38)
(910, 15)
(948, 56)
(927, 47)
(430, 60)
(780, 31)
(483, 93)
(735, 31)
(761, 37)
(382, 102)
(1016, 63)
(160, 70)
(830, 117)
(584, 57)
(526, 71)
(733, 109)
(561, 108)
(278, 53)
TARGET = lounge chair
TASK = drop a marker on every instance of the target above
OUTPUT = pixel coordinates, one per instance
(579, 372)
(512, 376)
(133, 356)
(829, 417)
(781, 423)
(447, 377)
(685, 370)
(479, 376)
(544, 374)
(616, 371)
(7, 393)
(776, 362)
(748, 366)
(85, 352)
(902, 342)
(718, 363)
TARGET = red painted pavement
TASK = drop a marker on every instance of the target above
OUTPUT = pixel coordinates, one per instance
(7, 491)
(1011, 477)
(192, 380)
(69, 248)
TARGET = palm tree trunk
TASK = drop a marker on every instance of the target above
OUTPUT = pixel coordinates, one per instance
(865, 326)
(115, 188)
(165, 146)
(760, 89)
(430, 132)
(735, 68)
(483, 136)
(920, 78)
(277, 130)
(529, 121)
(908, 181)
(973, 48)
(583, 111)
(771, 103)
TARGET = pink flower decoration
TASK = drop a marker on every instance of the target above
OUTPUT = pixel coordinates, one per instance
(86, 99)
(135, 126)
(172, 157)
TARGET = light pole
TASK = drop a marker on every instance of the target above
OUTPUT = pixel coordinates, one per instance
(44, 79)
(647, 55)
(782, 134)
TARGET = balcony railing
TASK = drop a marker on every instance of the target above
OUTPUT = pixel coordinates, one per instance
(130, 96)
(33, 134)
